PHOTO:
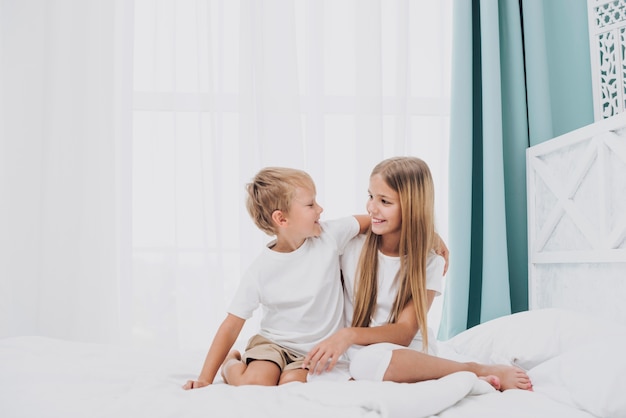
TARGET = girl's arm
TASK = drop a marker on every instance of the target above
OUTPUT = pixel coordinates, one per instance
(222, 343)
(324, 356)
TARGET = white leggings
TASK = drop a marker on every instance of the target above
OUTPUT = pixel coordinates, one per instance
(371, 362)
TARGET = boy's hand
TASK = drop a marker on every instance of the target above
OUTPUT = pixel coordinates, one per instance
(325, 355)
(442, 250)
(194, 384)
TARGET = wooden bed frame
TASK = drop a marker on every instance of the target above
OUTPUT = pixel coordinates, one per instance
(576, 185)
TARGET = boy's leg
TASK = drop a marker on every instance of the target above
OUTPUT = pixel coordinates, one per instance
(293, 375)
(258, 372)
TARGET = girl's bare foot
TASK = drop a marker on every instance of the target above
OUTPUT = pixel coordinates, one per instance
(493, 380)
(235, 356)
(511, 377)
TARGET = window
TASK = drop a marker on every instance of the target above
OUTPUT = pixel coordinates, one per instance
(223, 87)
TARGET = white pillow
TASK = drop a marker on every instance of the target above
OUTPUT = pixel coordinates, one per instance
(591, 377)
(529, 338)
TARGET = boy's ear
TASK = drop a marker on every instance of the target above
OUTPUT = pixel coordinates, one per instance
(279, 218)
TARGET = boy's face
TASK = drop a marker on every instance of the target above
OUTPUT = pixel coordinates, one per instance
(304, 214)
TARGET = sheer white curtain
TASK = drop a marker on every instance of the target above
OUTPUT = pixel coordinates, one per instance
(223, 88)
(128, 131)
(65, 135)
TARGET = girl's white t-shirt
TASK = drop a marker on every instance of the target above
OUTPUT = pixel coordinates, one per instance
(387, 285)
(300, 292)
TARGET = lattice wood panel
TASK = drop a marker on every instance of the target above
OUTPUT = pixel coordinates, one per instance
(577, 218)
(607, 41)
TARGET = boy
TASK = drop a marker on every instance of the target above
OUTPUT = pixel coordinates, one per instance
(296, 279)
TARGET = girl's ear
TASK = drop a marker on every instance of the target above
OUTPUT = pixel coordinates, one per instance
(279, 218)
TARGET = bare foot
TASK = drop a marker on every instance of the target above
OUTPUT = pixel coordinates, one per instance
(234, 355)
(511, 377)
(493, 380)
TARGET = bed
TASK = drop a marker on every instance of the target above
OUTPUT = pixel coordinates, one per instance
(576, 361)
(571, 341)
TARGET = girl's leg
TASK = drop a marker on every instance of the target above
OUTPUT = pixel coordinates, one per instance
(258, 372)
(492, 380)
(409, 366)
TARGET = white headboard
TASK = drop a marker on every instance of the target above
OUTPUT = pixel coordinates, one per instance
(576, 185)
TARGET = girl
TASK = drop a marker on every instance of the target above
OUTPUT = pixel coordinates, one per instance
(391, 277)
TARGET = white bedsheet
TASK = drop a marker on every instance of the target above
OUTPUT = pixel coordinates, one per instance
(43, 377)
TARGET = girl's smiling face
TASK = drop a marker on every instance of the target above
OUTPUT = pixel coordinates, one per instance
(383, 205)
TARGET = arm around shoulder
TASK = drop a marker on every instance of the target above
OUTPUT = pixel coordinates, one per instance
(364, 222)
(442, 249)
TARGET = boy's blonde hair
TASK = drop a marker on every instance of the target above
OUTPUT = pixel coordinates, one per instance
(410, 177)
(273, 188)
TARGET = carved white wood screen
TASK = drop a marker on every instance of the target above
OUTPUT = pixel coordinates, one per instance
(577, 220)
(607, 42)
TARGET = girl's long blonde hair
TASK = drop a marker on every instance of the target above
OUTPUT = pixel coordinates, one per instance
(410, 177)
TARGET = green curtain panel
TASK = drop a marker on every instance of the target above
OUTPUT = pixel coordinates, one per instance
(521, 75)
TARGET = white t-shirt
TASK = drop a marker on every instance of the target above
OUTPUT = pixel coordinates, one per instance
(300, 292)
(387, 286)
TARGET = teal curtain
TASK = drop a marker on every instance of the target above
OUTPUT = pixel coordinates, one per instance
(521, 75)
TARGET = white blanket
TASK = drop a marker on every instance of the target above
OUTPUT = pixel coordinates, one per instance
(42, 377)
(576, 364)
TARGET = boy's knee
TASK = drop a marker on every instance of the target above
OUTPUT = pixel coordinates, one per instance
(256, 379)
(260, 373)
(293, 376)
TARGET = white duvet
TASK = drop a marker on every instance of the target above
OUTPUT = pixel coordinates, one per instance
(576, 363)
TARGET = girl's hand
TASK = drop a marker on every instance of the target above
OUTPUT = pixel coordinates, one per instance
(194, 384)
(325, 355)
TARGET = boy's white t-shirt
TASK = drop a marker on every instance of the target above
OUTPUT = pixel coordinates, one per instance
(387, 286)
(300, 292)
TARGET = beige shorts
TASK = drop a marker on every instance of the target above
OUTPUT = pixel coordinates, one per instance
(260, 348)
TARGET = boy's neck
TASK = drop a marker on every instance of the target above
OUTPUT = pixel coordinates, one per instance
(284, 245)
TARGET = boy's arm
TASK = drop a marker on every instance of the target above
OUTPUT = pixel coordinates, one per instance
(440, 246)
(364, 222)
(442, 250)
(222, 343)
